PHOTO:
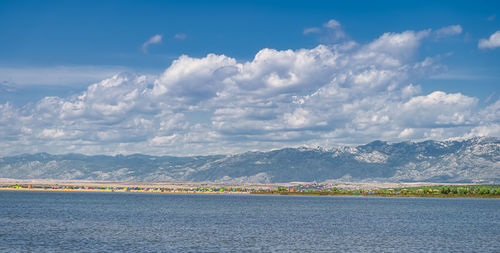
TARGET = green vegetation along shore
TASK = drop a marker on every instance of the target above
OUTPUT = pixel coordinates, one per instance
(443, 191)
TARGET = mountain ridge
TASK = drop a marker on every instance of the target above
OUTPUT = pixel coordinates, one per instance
(475, 160)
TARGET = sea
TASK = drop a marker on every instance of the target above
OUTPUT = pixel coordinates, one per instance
(152, 222)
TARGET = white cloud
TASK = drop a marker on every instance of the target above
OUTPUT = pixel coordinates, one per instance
(332, 24)
(330, 32)
(311, 30)
(487, 130)
(392, 49)
(491, 43)
(407, 132)
(156, 39)
(334, 31)
(344, 93)
(52, 133)
(437, 109)
(451, 30)
(162, 140)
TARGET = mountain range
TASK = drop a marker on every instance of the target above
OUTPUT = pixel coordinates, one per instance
(475, 160)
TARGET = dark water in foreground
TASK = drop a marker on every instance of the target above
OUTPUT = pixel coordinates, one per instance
(103, 222)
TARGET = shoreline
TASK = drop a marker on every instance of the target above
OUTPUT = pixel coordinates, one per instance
(113, 190)
(468, 196)
(356, 189)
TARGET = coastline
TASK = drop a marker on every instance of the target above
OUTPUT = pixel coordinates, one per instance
(478, 196)
(260, 193)
(113, 190)
(353, 189)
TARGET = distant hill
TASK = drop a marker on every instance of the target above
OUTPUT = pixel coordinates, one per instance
(475, 160)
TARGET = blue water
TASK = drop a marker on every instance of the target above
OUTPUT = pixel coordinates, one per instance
(134, 222)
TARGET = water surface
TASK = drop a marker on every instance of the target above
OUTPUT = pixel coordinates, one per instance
(134, 222)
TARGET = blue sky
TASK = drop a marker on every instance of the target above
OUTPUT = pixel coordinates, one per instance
(52, 52)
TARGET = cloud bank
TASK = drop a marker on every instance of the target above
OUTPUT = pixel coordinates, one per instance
(346, 93)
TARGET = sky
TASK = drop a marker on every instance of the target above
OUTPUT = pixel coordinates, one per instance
(224, 77)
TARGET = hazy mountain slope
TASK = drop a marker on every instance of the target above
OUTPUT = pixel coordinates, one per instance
(473, 160)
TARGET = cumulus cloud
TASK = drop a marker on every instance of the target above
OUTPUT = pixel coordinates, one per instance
(346, 93)
(156, 39)
(491, 43)
(451, 30)
(437, 109)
